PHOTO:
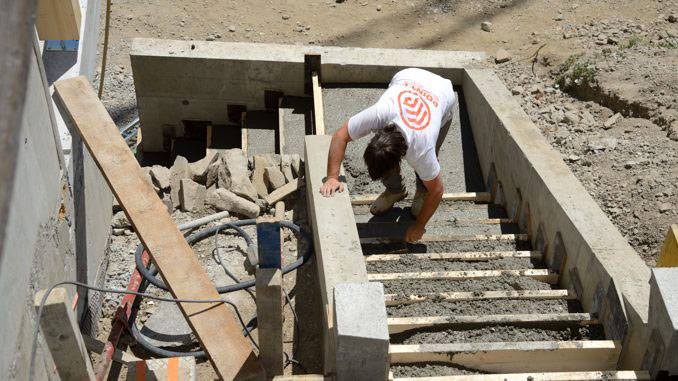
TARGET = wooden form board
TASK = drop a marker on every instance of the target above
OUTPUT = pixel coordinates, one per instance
(318, 114)
(543, 275)
(669, 254)
(610, 375)
(270, 320)
(58, 19)
(394, 299)
(213, 324)
(397, 325)
(367, 199)
(535, 356)
(468, 256)
(63, 337)
(446, 238)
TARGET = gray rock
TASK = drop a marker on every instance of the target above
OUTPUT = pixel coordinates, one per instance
(146, 173)
(297, 163)
(167, 326)
(261, 162)
(557, 116)
(672, 132)
(160, 177)
(231, 28)
(502, 56)
(180, 170)
(571, 118)
(665, 207)
(200, 167)
(611, 121)
(274, 177)
(518, 90)
(486, 26)
(120, 221)
(232, 174)
(223, 199)
(672, 18)
(191, 195)
(286, 167)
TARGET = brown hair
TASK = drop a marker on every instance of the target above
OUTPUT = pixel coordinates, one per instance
(384, 152)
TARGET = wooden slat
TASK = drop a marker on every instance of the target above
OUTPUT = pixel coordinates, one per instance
(543, 275)
(447, 238)
(284, 191)
(402, 324)
(318, 105)
(60, 329)
(58, 20)
(537, 356)
(270, 320)
(213, 324)
(366, 199)
(469, 256)
(669, 254)
(394, 299)
(610, 375)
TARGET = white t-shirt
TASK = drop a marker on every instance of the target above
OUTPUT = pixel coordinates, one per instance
(418, 102)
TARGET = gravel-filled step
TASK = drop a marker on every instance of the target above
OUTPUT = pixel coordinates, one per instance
(506, 282)
(412, 264)
(430, 370)
(500, 333)
(483, 307)
(446, 246)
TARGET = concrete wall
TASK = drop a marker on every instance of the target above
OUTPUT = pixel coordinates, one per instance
(196, 80)
(38, 248)
(561, 217)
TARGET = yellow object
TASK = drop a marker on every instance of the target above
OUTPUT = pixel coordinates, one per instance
(669, 254)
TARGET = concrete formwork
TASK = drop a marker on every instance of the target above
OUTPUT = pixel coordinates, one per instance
(519, 166)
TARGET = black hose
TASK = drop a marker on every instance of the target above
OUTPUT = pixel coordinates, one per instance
(149, 276)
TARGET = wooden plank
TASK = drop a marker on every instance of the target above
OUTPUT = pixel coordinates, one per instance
(213, 323)
(284, 191)
(243, 133)
(270, 320)
(468, 256)
(398, 325)
(367, 199)
(281, 127)
(63, 337)
(58, 19)
(446, 238)
(669, 254)
(97, 346)
(610, 375)
(318, 114)
(394, 299)
(543, 275)
(537, 356)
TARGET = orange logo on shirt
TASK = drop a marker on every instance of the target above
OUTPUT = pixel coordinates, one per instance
(414, 111)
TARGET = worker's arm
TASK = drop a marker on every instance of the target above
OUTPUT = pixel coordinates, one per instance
(334, 158)
(433, 196)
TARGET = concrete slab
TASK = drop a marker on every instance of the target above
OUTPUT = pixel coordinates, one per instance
(361, 332)
(662, 351)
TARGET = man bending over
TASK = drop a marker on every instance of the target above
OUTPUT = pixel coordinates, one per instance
(409, 121)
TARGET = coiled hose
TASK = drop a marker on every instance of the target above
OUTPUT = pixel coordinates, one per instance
(150, 277)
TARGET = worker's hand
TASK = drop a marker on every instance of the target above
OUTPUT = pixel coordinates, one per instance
(331, 185)
(415, 232)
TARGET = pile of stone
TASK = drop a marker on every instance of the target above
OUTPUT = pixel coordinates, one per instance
(225, 180)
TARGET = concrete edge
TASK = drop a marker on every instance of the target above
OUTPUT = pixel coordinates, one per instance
(612, 279)
(338, 254)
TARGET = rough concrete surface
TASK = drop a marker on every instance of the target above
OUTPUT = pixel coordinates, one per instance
(408, 264)
(482, 307)
(504, 283)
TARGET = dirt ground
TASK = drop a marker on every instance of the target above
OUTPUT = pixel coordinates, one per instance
(595, 58)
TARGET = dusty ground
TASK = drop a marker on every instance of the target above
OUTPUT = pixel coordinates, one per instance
(625, 61)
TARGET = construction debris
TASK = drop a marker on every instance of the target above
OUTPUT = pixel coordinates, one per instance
(223, 199)
(274, 177)
(180, 170)
(191, 195)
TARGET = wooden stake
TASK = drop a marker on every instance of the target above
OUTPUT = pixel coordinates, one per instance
(63, 337)
(543, 275)
(394, 299)
(318, 114)
(367, 199)
(537, 356)
(397, 325)
(468, 256)
(270, 320)
(669, 254)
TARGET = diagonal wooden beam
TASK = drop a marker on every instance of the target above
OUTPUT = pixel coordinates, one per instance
(213, 324)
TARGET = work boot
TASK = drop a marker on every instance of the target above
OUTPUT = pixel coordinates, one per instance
(418, 202)
(385, 202)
